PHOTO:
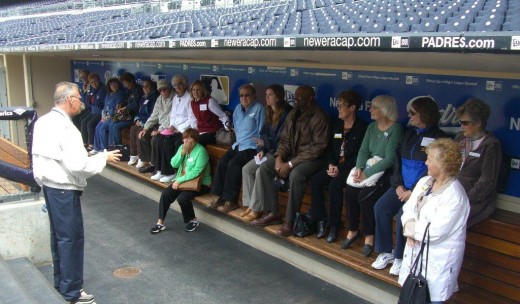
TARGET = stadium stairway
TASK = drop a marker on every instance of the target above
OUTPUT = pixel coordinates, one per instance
(22, 282)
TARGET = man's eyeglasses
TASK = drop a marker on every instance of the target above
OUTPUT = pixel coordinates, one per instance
(464, 122)
(78, 97)
(244, 95)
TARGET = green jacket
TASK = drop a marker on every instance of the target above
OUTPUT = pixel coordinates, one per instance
(195, 162)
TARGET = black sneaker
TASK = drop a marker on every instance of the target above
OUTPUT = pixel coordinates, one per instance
(157, 228)
(191, 226)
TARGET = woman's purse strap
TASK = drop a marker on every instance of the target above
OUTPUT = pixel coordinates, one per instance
(419, 257)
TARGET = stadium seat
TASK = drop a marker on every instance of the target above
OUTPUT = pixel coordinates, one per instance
(457, 26)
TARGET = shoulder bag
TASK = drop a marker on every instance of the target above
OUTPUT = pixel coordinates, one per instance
(192, 184)
(415, 288)
(303, 225)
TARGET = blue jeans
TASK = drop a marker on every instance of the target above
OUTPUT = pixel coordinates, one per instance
(67, 240)
(385, 209)
(114, 132)
(100, 135)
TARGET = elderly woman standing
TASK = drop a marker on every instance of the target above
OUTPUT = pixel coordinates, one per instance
(439, 200)
(380, 140)
(481, 159)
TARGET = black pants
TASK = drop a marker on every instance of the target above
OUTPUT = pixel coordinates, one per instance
(207, 139)
(335, 185)
(76, 120)
(88, 127)
(145, 145)
(363, 200)
(171, 144)
(169, 195)
(228, 177)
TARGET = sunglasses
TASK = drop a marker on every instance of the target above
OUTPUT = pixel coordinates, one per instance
(412, 112)
(162, 89)
(464, 122)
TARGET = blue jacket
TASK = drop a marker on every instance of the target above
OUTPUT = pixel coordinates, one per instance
(111, 102)
(146, 106)
(96, 99)
(271, 134)
(248, 124)
(409, 164)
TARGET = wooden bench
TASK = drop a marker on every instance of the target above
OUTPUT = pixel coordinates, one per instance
(491, 268)
(14, 155)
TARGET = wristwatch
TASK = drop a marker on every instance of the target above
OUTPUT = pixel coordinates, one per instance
(290, 164)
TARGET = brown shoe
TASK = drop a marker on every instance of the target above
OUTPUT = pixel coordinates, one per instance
(286, 229)
(216, 202)
(268, 219)
(253, 215)
(245, 212)
(228, 206)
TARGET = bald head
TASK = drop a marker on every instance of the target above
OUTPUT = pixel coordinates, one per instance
(304, 97)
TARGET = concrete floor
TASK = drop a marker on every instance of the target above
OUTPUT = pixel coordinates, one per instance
(205, 266)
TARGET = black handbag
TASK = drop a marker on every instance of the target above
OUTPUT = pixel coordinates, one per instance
(303, 225)
(124, 115)
(415, 288)
(123, 149)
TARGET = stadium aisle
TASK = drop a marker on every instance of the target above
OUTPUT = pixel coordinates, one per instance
(205, 266)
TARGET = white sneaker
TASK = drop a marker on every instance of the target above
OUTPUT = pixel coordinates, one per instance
(383, 259)
(93, 152)
(396, 267)
(133, 160)
(157, 176)
(84, 298)
(140, 163)
(167, 178)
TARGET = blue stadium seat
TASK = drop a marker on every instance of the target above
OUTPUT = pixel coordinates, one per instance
(372, 28)
(457, 26)
(485, 26)
(400, 27)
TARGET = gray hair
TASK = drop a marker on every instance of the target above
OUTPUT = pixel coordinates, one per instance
(387, 105)
(64, 90)
(477, 110)
(181, 78)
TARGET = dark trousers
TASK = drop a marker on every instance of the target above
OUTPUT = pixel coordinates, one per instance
(385, 209)
(362, 200)
(335, 187)
(171, 144)
(135, 148)
(169, 195)
(76, 120)
(88, 127)
(145, 144)
(207, 139)
(228, 177)
(67, 240)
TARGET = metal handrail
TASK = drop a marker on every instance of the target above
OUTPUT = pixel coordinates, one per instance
(151, 27)
(248, 11)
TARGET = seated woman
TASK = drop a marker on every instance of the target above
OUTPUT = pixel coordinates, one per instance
(347, 135)
(481, 159)
(248, 118)
(205, 113)
(192, 160)
(380, 140)
(440, 201)
(114, 99)
(134, 92)
(409, 167)
(276, 112)
(145, 109)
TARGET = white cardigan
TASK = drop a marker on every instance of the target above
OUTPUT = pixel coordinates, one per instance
(447, 213)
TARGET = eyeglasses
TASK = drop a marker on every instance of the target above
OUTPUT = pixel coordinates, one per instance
(412, 113)
(178, 84)
(464, 122)
(163, 90)
(244, 95)
(343, 105)
(94, 82)
(78, 97)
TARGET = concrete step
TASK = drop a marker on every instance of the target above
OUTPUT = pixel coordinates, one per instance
(11, 288)
(35, 284)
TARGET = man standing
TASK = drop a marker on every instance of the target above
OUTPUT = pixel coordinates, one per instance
(300, 154)
(61, 165)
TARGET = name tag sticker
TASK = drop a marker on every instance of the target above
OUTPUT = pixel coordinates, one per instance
(145, 102)
(474, 154)
(203, 107)
(190, 160)
(426, 141)
(337, 135)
